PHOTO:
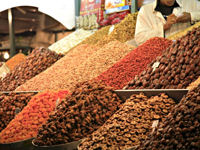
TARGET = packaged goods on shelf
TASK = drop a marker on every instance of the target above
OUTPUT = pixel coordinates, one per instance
(59, 78)
(70, 70)
(70, 41)
(12, 103)
(181, 128)
(175, 69)
(85, 110)
(131, 124)
(38, 61)
(194, 84)
(15, 60)
(134, 62)
(184, 32)
(26, 124)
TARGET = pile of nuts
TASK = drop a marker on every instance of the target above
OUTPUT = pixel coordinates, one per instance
(25, 125)
(64, 45)
(194, 84)
(11, 104)
(75, 68)
(59, 78)
(125, 30)
(181, 129)
(177, 68)
(98, 35)
(131, 124)
(38, 61)
(83, 112)
(134, 63)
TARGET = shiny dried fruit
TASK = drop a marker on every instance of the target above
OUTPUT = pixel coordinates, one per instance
(131, 124)
(84, 111)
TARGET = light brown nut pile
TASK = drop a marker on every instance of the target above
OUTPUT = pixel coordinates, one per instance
(56, 77)
(194, 84)
(97, 36)
(88, 107)
(131, 124)
(38, 61)
(82, 66)
(181, 129)
(125, 30)
(177, 67)
(11, 104)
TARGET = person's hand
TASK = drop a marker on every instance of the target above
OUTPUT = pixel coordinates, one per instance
(171, 19)
(184, 18)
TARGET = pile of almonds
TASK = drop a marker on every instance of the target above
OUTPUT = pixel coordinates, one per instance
(59, 79)
(131, 124)
(83, 112)
(176, 68)
(25, 125)
(11, 104)
(181, 129)
(38, 61)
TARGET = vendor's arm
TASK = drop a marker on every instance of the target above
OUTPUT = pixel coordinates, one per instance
(145, 27)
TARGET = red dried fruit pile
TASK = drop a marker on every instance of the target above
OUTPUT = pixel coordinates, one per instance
(84, 111)
(176, 68)
(26, 124)
(38, 61)
(134, 63)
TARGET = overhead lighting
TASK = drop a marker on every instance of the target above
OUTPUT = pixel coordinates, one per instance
(6, 55)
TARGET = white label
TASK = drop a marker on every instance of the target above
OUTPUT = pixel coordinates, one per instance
(155, 65)
(154, 125)
(111, 29)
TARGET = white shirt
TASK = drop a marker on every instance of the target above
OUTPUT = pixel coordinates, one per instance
(150, 22)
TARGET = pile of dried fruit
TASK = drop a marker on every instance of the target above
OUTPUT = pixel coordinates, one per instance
(131, 124)
(59, 78)
(15, 60)
(184, 32)
(79, 68)
(84, 111)
(11, 104)
(98, 35)
(134, 63)
(181, 129)
(26, 124)
(177, 68)
(38, 61)
(194, 84)
(70, 41)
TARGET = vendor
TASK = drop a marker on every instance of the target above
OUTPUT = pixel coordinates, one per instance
(165, 17)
